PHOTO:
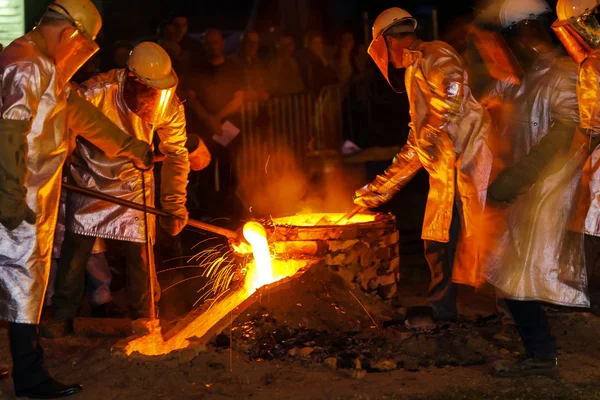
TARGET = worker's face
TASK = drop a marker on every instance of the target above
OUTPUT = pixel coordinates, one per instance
(180, 28)
(287, 47)
(250, 44)
(396, 49)
(214, 44)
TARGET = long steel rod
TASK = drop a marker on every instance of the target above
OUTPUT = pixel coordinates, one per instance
(140, 207)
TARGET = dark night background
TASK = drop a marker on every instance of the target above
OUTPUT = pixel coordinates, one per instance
(132, 19)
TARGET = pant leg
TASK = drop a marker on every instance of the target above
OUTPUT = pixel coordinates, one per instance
(99, 279)
(503, 311)
(28, 357)
(138, 280)
(592, 260)
(70, 277)
(51, 282)
(534, 328)
(440, 257)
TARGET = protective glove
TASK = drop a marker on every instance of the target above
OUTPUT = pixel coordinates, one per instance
(174, 226)
(510, 184)
(199, 155)
(368, 198)
(145, 160)
(13, 207)
(516, 180)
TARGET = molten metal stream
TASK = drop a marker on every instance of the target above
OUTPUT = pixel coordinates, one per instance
(260, 273)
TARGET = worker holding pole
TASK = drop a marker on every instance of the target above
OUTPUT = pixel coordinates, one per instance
(141, 100)
(449, 130)
(40, 115)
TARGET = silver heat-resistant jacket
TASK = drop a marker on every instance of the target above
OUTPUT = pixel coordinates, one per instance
(449, 129)
(588, 93)
(528, 251)
(91, 168)
(30, 91)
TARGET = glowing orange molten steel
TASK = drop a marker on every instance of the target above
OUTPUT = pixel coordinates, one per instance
(260, 272)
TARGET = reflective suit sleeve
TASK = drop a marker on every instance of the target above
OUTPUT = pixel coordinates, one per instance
(588, 94)
(175, 169)
(445, 75)
(405, 165)
(88, 121)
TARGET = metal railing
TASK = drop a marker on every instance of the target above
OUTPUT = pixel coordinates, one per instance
(292, 126)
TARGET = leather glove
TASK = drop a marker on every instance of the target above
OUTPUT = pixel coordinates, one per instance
(368, 198)
(199, 155)
(13, 207)
(14, 210)
(511, 183)
(145, 161)
(174, 226)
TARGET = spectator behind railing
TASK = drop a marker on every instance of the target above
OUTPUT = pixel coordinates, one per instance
(347, 61)
(283, 71)
(255, 87)
(121, 54)
(214, 94)
(316, 70)
(169, 38)
(90, 69)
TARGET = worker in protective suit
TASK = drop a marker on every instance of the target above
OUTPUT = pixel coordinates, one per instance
(39, 118)
(141, 100)
(534, 177)
(447, 139)
(578, 29)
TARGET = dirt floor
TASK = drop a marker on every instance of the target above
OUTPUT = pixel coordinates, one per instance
(313, 340)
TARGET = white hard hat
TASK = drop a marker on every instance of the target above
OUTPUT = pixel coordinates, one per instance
(83, 13)
(566, 9)
(390, 17)
(152, 65)
(514, 11)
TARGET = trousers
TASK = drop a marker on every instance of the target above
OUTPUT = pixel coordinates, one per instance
(440, 258)
(70, 277)
(534, 328)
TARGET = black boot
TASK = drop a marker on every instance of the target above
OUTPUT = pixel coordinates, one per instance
(57, 329)
(30, 377)
(528, 367)
(50, 389)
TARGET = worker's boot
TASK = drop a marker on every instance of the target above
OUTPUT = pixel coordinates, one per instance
(528, 367)
(57, 329)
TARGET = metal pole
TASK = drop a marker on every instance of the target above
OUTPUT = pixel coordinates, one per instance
(150, 254)
(140, 207)
(436, 28)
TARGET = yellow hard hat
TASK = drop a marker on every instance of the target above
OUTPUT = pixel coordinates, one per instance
(83, 13)
(391, 17)
(152, 65)
(567, 9)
